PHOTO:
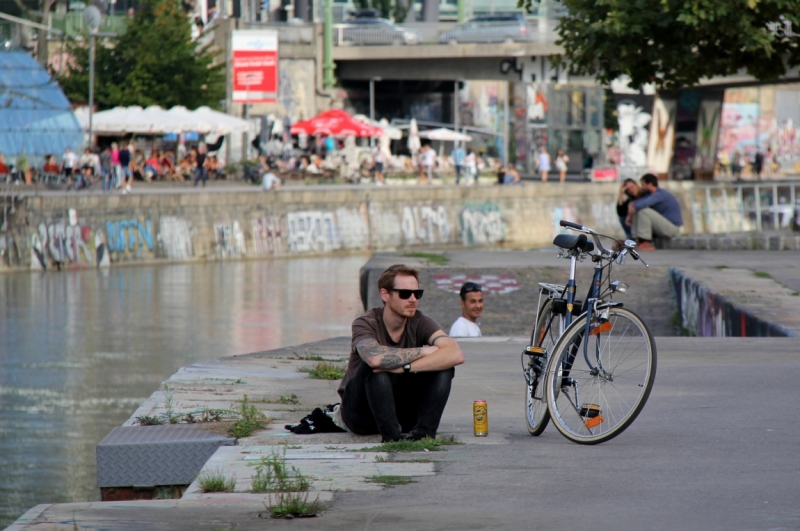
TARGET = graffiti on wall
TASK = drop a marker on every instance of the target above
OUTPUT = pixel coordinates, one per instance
(129, 235)
(353, 227)
(385, 227)
(229, 239)
(494, 284)
(482, 225)
(426, 225)
(706, 314)
(9, 252)
(267, 237)
(175, 238)
(311, 231)
(64, 243)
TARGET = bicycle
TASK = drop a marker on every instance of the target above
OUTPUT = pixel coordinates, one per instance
(594, 397)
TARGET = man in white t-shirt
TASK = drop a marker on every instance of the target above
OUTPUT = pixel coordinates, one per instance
(471, 309)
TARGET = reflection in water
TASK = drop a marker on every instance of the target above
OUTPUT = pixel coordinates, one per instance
(80, 351)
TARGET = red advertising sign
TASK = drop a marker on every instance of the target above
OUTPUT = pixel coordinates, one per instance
(604, 174)
(255, 66)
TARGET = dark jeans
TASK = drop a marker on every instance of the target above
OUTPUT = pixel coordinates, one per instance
(200, 173)
(627, 229)
(391, 404)
(458, 173)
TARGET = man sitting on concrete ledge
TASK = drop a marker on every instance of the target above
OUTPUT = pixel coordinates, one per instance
(401, 365)
(656, 214)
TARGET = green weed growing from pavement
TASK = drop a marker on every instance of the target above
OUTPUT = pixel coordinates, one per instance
(324, 371)
(389, 481)
(149, 420)
(169, 407)
(273, 475)
(293, 399)
(423, 445)
(761, 274)
(294, 505)
(216, 481)
(250, 420)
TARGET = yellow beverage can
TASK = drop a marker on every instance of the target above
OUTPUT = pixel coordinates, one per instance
(480, 418)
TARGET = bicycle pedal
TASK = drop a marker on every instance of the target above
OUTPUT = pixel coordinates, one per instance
(593, 422)
(589, 411)
(539, 352)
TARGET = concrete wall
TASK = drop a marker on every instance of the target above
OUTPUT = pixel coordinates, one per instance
(74, 230)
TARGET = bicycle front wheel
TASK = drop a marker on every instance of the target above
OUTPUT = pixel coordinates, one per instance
(596, 386)
(545, 334)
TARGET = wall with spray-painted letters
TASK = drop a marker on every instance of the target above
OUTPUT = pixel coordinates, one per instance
(73, 230)
(704, 313)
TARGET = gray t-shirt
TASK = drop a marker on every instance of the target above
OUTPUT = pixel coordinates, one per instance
(419, 330)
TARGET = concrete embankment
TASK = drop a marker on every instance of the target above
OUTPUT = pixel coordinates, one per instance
(54, 230)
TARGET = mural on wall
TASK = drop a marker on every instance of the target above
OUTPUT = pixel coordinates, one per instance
(64, 243)
(425, 225)
(481, 225)
(633, 135)
(267, 238)
(491, 284)
(9, 252)
(129, 235)
(662, 135)
(229, 239)
(707, 133)
(175, 238)
(311, 231)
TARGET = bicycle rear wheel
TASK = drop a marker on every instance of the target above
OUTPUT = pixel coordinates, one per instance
(545, 334)
(592, 401)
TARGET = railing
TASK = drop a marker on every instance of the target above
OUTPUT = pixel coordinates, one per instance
(74, 25)
(442, 33)
(742, 207)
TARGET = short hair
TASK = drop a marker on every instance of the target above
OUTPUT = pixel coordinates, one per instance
(386, 280)
(649, 178)
(469, 287)
(626, 181)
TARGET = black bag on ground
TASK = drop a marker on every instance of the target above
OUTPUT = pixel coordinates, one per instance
(319, 421)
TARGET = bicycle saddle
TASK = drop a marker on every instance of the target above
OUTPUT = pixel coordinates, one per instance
(572, 241)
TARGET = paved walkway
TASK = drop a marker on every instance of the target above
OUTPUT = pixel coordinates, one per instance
(711, 450)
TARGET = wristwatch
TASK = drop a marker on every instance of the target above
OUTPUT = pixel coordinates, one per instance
(407, 368)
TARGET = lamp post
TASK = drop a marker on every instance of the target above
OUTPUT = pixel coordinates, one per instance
(92, 35)
(372, 104)
(327, 47)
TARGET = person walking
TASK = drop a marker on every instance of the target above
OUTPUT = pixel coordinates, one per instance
(200, 165)
(116, 166)
(126, 173)
(544, 163)
(68, 162)
(106, 169)
(561, 165)
(470, 168)
(758, 163)
(378, 161)
(458, 161)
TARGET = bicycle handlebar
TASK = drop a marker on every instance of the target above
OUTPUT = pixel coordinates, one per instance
(571, 225)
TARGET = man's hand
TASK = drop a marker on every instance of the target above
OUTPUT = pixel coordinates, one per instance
(379, 357)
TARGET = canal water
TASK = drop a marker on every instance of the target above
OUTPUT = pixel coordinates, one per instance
(80, 351)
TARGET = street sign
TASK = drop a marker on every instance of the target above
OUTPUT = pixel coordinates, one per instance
(255, 66)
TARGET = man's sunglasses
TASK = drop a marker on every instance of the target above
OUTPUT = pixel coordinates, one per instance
(406, 293)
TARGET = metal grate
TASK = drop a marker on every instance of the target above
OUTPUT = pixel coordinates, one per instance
(148, 456)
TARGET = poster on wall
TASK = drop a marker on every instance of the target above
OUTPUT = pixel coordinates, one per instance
(707, 132)
(537, 103)
(633, 118)
(662, 135)
(255, 66)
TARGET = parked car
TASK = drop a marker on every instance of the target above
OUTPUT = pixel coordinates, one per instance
(374, 30)
(500, 27)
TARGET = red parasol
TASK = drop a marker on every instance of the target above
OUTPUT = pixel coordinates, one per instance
(335, 122)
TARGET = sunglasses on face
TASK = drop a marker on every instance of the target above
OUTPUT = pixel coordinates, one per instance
(406, 293)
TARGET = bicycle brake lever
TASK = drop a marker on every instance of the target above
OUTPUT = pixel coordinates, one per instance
(637, 256)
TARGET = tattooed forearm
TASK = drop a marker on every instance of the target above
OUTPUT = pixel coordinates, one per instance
(378, 356)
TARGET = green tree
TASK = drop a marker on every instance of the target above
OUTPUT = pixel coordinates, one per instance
(154, 62)
(675, 43)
